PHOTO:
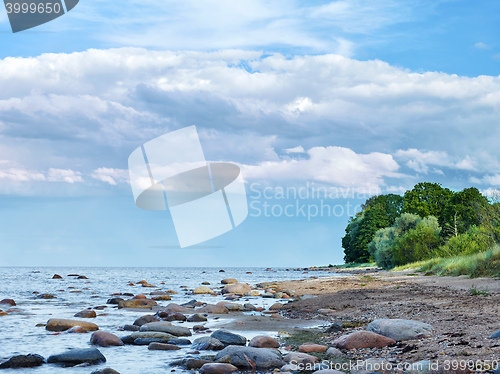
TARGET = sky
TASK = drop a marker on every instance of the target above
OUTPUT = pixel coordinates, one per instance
(321, 103)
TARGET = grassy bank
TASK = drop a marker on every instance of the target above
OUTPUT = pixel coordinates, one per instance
(483, 264)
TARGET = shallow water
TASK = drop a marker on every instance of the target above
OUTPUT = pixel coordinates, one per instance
(21, 336)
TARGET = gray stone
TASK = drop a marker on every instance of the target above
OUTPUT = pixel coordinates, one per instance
(197, 318)
(229, 338)
(179, 341)
(148, 318)
(400, 329)
(148, 341)
(215, 368)
(333, 352)
(250, 357)
(166, 327)
(207, 343)
(74, 357)
(23, 361)
(105, 371)
(147, 335)
(496, 335)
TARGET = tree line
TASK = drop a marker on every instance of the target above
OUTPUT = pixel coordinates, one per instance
(427, 221)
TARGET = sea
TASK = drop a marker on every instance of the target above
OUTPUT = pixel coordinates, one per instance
(19, 333)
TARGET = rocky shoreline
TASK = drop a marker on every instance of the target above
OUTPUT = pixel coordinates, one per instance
(371, 321)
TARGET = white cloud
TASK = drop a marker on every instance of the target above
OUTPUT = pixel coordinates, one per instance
(64, 175)
(420, 161)
(298, 149)
(111, 176)
(481, 45)
(334, 165)
(13, 172)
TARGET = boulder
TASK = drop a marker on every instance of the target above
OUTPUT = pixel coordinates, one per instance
(57, 276)
(310, 347)
(148, 341)
(23, 361)
(162, 336)
(362, 339)
(114, 300)
(180, 341)
(175, 317)
(496, 335)
(333, 352)
(105, 371)
(197, 318)
(137, 303)
(76, 330)
(166, 327)
(229, 281)
(203, 290)
(147, 318)
(300, 358)
(105, 339)
(207, 343)
(216, 368)
(213, 309)
(74, 357)
(250, 357)
(87, 313)
(162, 347)
(194, 363)
(59, 324)
(229, 338)
(237, 288)
(276, 306)
(8, 302)
(262, 341)
(175, 308)
(249, 307)
(131, 328)
(400, 329)
(46, 296)
(162, 298)
(232, 307)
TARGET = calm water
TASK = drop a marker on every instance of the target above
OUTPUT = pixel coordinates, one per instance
(21, 336)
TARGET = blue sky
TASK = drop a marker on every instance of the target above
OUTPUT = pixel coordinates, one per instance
(364, 96)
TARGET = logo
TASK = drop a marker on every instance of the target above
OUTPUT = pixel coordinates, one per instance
(205, 199)
(26, 14)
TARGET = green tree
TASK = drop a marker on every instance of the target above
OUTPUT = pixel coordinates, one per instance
(378, 212)
(426, 199)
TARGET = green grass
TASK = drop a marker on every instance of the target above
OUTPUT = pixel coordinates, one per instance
(483, 264)
(476, 291)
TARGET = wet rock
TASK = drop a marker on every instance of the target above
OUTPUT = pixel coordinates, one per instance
(162, 298)
(213, 309)
(57, 276)
(190, 304)
(23, 361)
(105, 339)
(175, 317)
(148, 341)
(105, 371)
(114, 300)
(59, 324)
(249, 307)
(229, 281)
(163, 347)
(175, 308)
(207, 343)
(250, 357)
(87, 313)
(333, 352)
(262, 341)
(143, 304)
(140, 297)
(362, 339)
(276, 306)
(232, 307)
(310, 347)
(237, 288)
(147, 318)
(199, 328)
(74, 357)
(496, 335)
(334, 327)
(46, 296)
(8, 302)
(206, 283)
(197, 318)
(82, 277)
(216, 368)
(77, 330)
(194, 363)
(300, 358)
(203, 290)
(229, 338)
(400, 329)
(148, 335)
(131, 328)
(166, 327)
(179, 341)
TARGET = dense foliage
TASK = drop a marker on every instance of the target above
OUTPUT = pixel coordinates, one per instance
(428, 221)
